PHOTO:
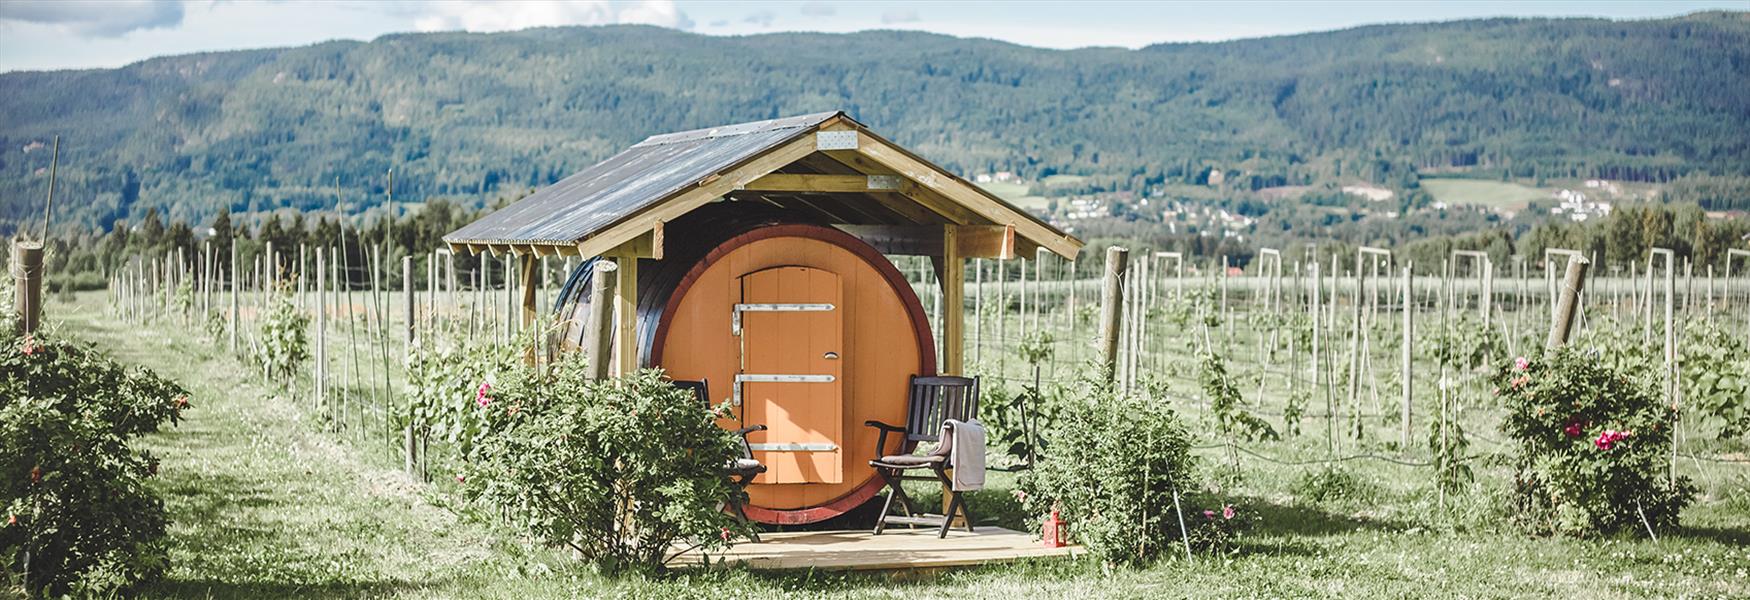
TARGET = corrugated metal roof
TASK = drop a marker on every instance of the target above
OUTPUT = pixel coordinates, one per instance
(626, 183)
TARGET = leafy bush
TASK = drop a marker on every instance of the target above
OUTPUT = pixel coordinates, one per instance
(77, 515)
(1114, 463)
(1591, 449)
(1331, 482)
(617, 470)
(285, 336)
(1226, 403)
(1716, 377)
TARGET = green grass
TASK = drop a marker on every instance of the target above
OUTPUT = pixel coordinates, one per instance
(266, 503)
(1483, 192)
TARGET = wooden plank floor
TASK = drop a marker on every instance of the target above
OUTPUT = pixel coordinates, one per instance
(896, 548)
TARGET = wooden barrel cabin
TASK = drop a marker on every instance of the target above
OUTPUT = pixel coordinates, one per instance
(754, 257)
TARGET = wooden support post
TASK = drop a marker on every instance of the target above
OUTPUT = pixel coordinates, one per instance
(1111, 308)
(1570, 297)
(529, 311)
(234, 293)
(598, 334)
(510, 300)
(321, 334)
(407, 306)
(1407, 354)
(626, 317)
(953, 282)
(27, 276)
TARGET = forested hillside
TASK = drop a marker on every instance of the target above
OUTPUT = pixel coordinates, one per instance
(478, 116)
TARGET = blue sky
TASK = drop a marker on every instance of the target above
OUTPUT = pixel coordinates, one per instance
(38, 34)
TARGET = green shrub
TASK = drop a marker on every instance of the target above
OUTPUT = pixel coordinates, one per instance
(78, 517)
(1113, 465)
(617, 470)
(285, 336)
(1331, 482)
(1592, 447)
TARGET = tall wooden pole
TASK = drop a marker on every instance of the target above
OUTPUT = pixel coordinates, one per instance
(1111, 307)
(1572, 282)
(1407, 354)
(598, 335)
(27, 276)
(953, 283)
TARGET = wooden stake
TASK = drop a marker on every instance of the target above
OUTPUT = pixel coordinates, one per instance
(1111, 308)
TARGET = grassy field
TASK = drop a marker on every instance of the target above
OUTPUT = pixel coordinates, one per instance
(1481, 192)
(1016, 193)
(266, 503)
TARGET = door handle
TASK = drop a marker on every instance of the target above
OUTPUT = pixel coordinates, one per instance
(831, 356)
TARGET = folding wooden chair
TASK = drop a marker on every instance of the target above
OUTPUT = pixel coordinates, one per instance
(932, 401)
(743, 469)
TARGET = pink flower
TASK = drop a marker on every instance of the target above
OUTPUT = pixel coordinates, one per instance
(460, 478)
(480, 395)
(29, 345)
(1227, 512)
(724, 533)
(1520, 381)
(1521, 364)
(1209, 514)
(1609, 437)
(1020, 495)
(1573, 429)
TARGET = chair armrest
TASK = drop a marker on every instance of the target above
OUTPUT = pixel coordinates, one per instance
(884, 427)
(749, 429)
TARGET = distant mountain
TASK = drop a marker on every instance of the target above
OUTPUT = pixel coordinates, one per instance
(476, 116)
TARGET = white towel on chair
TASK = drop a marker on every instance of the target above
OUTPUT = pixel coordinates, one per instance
(967, 454)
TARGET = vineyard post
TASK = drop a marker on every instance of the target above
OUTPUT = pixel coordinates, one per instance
(510, 320)
(1226, 322)
(408, 309)
(1732, 253)
(1710, 295)
(1002, 313)
(1111, 309)
(302, 304)
(1570, 297)
(1318, 372)
(1670, 345)
(321, 333)
(1408, 341)
(27, 276)
(598, 335)
(233, 296)
(1647, 302)
(978, 312)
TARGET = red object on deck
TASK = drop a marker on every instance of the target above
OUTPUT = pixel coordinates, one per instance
(1053, 531)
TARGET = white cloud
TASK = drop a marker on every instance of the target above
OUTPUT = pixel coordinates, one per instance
(508, 15)
(762, 18)
(818, 9)
(100, 18)
(899, 15)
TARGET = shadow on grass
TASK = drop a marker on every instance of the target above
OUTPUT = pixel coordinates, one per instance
(211, 588)
(1728, 537)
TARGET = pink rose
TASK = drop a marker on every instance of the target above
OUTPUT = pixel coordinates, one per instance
(29, 345)
(460, 478)
(1521, 364)
(1227, 512)
(1573, 429)
(1209, 514)
(1609, 438)
(480, 395)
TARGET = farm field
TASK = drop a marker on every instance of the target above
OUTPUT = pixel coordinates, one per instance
(1499, 195)
(267, 499)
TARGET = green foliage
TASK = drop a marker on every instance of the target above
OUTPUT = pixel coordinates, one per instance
(1448, 444)
(1591, 447)
(285, 336)
(1715, 365)
(1115, 462)
(1225, 402)
(1463, 343)
(78, 517)
(1331, 482)
(617, 470)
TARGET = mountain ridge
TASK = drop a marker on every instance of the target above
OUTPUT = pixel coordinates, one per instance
(475, 116)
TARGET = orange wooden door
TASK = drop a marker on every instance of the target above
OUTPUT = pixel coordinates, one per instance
(791, 326)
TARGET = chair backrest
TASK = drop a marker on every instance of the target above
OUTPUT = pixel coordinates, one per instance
(701, 390)
(935, 399)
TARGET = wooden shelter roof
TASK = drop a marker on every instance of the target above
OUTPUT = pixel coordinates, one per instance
(826, 164)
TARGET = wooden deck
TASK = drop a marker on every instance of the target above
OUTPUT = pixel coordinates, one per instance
(899, 548)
